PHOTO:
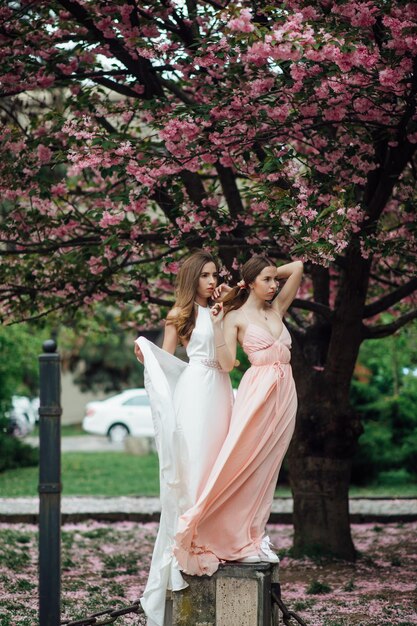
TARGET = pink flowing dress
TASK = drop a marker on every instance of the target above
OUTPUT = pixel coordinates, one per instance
(228, 520)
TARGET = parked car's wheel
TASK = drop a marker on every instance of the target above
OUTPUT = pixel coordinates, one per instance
(17, 428)
(117, 433)
(18, 424)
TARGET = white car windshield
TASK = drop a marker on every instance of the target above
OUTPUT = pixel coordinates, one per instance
(137, 401)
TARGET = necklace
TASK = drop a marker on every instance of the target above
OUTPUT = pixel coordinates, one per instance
(264, 314)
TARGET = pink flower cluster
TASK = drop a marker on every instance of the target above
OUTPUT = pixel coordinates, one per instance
(242, 23)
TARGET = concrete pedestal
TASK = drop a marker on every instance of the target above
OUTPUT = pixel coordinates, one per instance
(139, 446)
(236, 595)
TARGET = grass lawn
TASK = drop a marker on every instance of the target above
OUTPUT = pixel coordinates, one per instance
(120, 474)
(96, 473)
(70, 430)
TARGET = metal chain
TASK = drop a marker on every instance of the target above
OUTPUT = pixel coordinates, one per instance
(136, 607)
(112, 615)
(287, 615)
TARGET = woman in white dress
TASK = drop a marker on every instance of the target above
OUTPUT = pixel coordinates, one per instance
(191, 407)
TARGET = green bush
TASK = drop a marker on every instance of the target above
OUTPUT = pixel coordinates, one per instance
(20, 346)
(389, 438)
(385, 398)
(243, 364)
(13, 452)
(409, 452)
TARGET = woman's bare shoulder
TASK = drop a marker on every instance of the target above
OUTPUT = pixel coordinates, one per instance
(173, 314)
(234, 317)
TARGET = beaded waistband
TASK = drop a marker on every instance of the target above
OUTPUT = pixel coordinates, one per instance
(212, 363)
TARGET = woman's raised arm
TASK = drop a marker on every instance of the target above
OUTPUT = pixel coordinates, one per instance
(292, 274)
(225, 337)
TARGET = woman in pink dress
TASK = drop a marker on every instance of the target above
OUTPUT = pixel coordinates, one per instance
(227, 523)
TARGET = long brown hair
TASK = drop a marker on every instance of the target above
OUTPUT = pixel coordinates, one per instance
(186, 290)
(249, 271)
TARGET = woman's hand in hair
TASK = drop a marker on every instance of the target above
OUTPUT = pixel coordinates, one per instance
(217, 313)
(220, 291)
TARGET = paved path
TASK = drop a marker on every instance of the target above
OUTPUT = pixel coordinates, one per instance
(143, 509)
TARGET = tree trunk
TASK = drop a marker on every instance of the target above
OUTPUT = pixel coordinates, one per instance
(321, 511)
(319, 458)
(325, 439)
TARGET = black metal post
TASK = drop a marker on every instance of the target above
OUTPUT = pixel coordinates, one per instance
(50, 486)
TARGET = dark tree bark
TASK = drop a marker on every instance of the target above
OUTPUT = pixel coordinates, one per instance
(324, 356)
(325, 439)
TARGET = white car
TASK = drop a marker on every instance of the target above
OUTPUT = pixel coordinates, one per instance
(127, 413)
(22, 415)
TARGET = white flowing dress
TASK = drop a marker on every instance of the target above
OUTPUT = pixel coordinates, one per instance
(191, 409)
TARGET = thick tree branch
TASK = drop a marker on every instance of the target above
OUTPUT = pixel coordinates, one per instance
(297, 318)
(186, 32)
(225, 241)
(66, 303)
(94, 74)
(160, 301)
(124, 90)
(15, 119)
(230, 190)
(316, 307)
(390, 299)
(382, 181)
(379, 31)
(141, 68)
(321, 284)
(167, 204)
(173, 88)
(78, 242)
(194, 186)
(385, 330)
(106, 124)
(10, 94)
(382, 281)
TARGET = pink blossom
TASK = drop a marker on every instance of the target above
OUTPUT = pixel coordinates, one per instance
(260, 86)
(258, 53)
(44, 81)
(16, 146)
(125, 149)
(95, 265)
(389, 78)
(110, 219)
(44, 154)
(59, 189)
(242, 23)
(173, 267)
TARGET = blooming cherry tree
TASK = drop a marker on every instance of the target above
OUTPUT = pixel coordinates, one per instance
(133, 132)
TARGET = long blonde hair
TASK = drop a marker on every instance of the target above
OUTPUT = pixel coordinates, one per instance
(249, 271)
(185, 292)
